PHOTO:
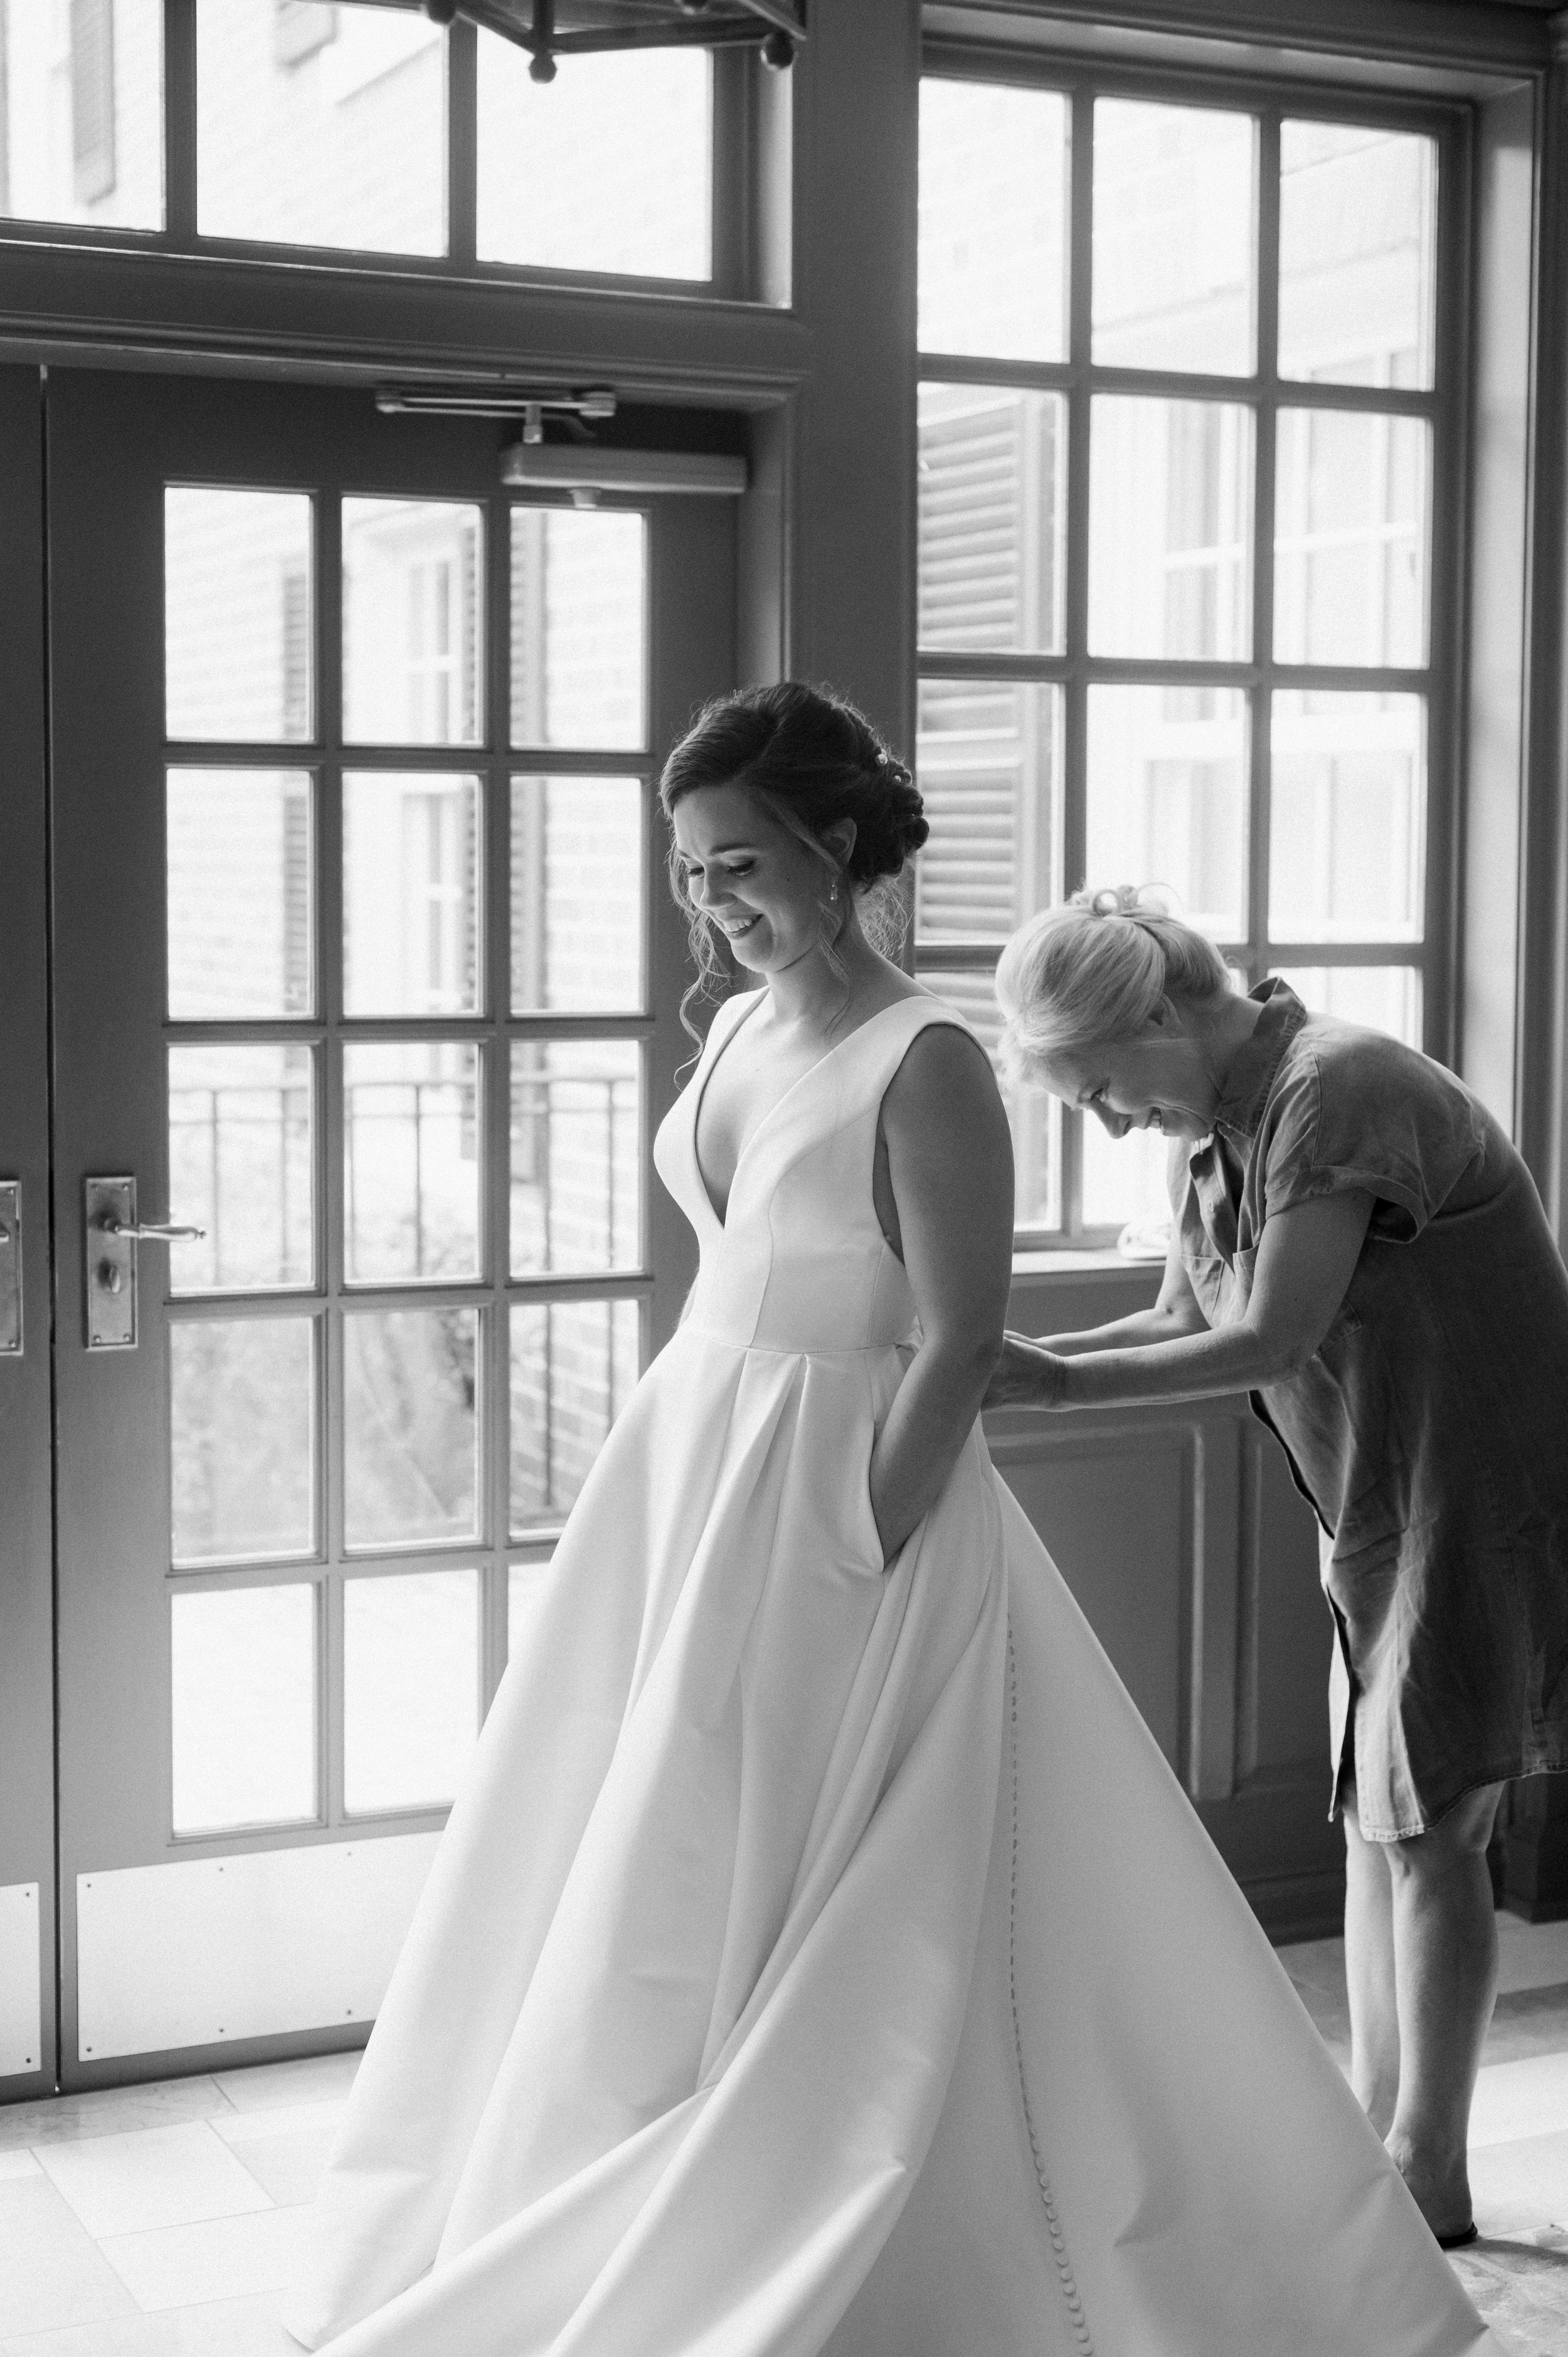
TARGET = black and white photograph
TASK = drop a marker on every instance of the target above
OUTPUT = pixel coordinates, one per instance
(783, 1179)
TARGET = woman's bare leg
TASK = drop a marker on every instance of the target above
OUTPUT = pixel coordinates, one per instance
(1445, 1968)
(1370, 1972)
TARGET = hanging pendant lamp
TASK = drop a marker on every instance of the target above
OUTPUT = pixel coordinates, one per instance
(549, 29)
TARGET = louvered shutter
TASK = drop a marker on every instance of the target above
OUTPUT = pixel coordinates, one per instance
(987, 753)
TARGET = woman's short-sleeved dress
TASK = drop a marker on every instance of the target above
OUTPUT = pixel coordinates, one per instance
(1430, 1429)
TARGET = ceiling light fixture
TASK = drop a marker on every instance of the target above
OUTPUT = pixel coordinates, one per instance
(549, 29)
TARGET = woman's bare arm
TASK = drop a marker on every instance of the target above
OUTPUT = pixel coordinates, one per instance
(1017, 1381)
(950, 1158)
(1306, 1258)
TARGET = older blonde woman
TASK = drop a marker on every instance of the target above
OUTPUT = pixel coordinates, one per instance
(1357, 1244)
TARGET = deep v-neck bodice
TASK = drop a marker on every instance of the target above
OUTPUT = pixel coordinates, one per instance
(748, 1004)
(799, 1262)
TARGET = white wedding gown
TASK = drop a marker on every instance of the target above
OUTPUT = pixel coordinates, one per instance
(820, 1961)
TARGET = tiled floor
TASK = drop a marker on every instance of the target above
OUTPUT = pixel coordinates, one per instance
(1518, 2273)
(162, 2221)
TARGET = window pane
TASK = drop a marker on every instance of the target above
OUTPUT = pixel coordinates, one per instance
(410, 1428)
(241, 1165)
(81, 113)
(241, 872)
(237, 615)
(243, 1707)
(988, 758)
(321, 125)
(411, 1162)
(1033, 1117)
(574, 1364)
(1170, 527)
(411, 1689)
(1167, 798)
(608, 168)
(413, 622)
(411, 893)
(1124, 1178)
(578, 628)
(1351, 499)
(576, 896)
(1174, 238)
(576, 1148)
(994, 214)
(992, 486)
(242, 1438)
(1348, 835)
(1379, 997)
(1357, 238)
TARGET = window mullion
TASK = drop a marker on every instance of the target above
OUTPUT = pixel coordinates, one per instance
(179, 121)
(1263, 439)
(462, 142)
(1074, 820)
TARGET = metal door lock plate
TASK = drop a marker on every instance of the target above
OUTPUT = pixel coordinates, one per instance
(110, 1256)
(10, 1268)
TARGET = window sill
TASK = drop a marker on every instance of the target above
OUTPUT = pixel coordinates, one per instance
(1032, 1267)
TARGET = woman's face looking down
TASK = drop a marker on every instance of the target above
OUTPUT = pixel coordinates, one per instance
(1157, 1079)
(766, 891)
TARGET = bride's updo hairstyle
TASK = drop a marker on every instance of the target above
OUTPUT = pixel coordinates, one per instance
(812, 759)
(1093, 971)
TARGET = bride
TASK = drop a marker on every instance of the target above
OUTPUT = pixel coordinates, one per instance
(820, 1957)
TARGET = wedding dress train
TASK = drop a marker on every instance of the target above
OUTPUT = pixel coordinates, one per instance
(825, 1960)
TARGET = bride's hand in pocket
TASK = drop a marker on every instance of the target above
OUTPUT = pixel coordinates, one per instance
(1027, 1376)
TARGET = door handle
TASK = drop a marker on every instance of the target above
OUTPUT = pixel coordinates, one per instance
(113, 1234)
(149, 1233)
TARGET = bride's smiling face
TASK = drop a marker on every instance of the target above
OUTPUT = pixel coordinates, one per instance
(766, 890)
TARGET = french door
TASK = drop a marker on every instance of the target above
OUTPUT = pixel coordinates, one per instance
(363, 981)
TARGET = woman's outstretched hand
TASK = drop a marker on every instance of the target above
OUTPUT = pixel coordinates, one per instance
(1027, 1376)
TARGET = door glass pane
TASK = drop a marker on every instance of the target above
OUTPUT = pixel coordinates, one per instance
(411, 893)
(1379, 998)
(410, 1426)
(411, 1689)
(609, 168)
(319, 125)
(1174, 237)
(238, 634)
(994, 214)
(241, 872)
(988, 757)
(576, 1152)
(576, 896)
(1350, 521)
(243, 1707)
(1124, 1178)
(992, 484)
(411, 1161)
(1033, 1117)
(574, 1364)
(413, 622)
(1348, 835)
(1167, 798)
(242, 1438)
(81, 113)
(578, 628)
(1170, 525)
(1357, 254)
(241, 1165)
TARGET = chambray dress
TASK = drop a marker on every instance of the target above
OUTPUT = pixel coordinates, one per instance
(1430, 1430)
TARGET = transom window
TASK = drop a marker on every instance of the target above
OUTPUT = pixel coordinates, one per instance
(1185, 616)
(363, 128)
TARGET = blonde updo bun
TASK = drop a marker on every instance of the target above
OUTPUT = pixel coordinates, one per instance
(1094, 971)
